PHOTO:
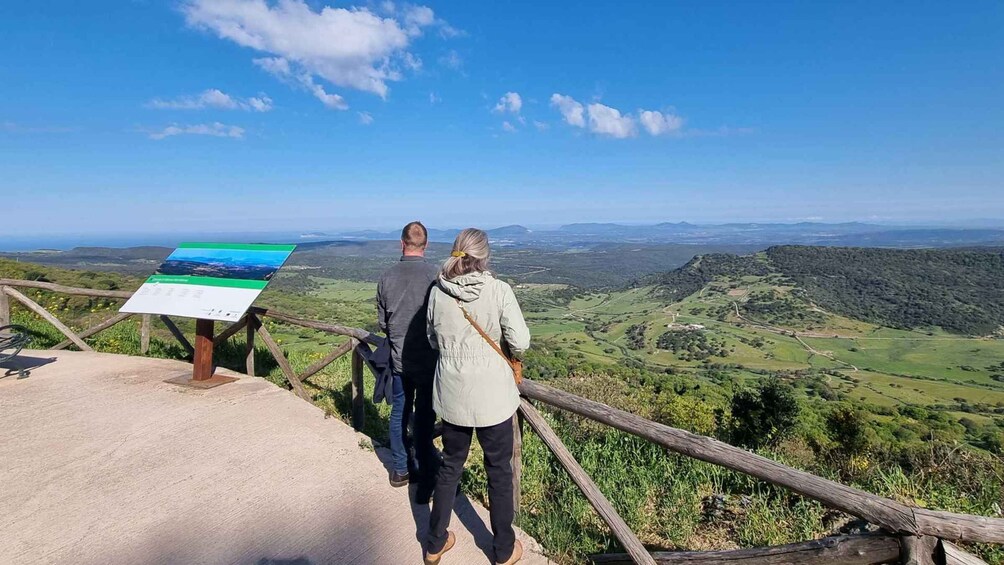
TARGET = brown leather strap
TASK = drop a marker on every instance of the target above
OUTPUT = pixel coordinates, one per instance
(488, 338)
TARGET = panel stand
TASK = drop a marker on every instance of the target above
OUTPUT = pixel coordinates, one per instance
(202, 369)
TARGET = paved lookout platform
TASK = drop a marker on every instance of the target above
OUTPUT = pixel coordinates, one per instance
(103, 462)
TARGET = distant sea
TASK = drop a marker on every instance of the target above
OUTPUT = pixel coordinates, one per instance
(64, 242)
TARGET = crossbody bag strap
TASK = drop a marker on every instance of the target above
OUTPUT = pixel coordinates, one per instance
(488, 338)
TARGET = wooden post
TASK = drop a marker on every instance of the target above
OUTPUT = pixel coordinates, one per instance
(358, 410)
(177, 334)
(328, 359)
(917, 550)
(144, 334)
(517, 458)
(280, 358)
(202, 362)
(48, 317)
(4, 307)
(231, 331)
(94, 329)
(621, 531)
(953, 555)
(251, 328)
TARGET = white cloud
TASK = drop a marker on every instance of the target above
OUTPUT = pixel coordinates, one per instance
(506, 126)
(214, 98)
(541, 126)
(609, 121)
(260, 103)
(606, 120)
(365, 118)
(281, 69)
(349, 47)
(412, 62)
(434, 98)
(215, 129)
(570, 109)
(658, 123)
(510, 102)
(451, 60)
(446, 31)
(417, 17)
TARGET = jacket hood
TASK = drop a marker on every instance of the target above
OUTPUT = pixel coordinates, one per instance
(466, 288)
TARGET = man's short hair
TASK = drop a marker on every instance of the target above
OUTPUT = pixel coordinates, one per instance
(415, 236)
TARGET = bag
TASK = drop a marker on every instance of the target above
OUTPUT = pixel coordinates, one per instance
(515, 364)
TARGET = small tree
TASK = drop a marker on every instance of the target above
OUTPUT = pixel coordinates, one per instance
(765, 415)
(849, 428)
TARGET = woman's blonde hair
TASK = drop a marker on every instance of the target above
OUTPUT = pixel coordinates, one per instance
(470, 254)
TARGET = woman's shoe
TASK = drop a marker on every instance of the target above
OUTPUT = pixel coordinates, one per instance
(433, 558)
(517, 554)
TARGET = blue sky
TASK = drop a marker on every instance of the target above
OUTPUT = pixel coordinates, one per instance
(291, 115)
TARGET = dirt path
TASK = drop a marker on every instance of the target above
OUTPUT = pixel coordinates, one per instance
(793, 334)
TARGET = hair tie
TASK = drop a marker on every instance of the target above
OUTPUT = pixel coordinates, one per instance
(458, 254)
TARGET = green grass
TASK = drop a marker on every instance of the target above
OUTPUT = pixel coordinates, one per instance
(926, 357)
(347, 291)
(887, 389)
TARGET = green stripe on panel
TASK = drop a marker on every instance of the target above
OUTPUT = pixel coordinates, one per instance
(207, 281)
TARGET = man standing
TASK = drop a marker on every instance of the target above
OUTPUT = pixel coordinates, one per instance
(402, 298)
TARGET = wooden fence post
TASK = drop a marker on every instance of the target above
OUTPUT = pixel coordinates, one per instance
(280, 358)
(144, 334)
(917, 550)
(4, 307)
(178, 335)
(93, 330)
(328, 359)
(621, 531)
(252, 327)
(48, 317)
(955, 556)
(358, 407)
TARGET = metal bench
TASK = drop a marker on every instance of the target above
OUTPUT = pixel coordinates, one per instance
(12, 340)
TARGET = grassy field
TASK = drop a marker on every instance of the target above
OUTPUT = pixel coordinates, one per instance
(345, 291)
(882, 366)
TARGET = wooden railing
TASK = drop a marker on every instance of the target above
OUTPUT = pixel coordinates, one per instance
(909, 535)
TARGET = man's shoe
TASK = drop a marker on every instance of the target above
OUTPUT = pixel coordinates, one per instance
(517, 554)
(433, 558)
(398, 479)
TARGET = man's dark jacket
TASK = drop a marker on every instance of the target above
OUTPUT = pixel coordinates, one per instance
(402, 298)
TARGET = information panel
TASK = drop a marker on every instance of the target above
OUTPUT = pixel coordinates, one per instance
(212, 281)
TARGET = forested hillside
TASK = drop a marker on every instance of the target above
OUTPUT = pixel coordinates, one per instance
(957, 290)
(702, 269)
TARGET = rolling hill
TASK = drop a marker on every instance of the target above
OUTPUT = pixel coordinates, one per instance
(958, 290)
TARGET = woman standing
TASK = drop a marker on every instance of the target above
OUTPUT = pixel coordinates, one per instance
(474, 390)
